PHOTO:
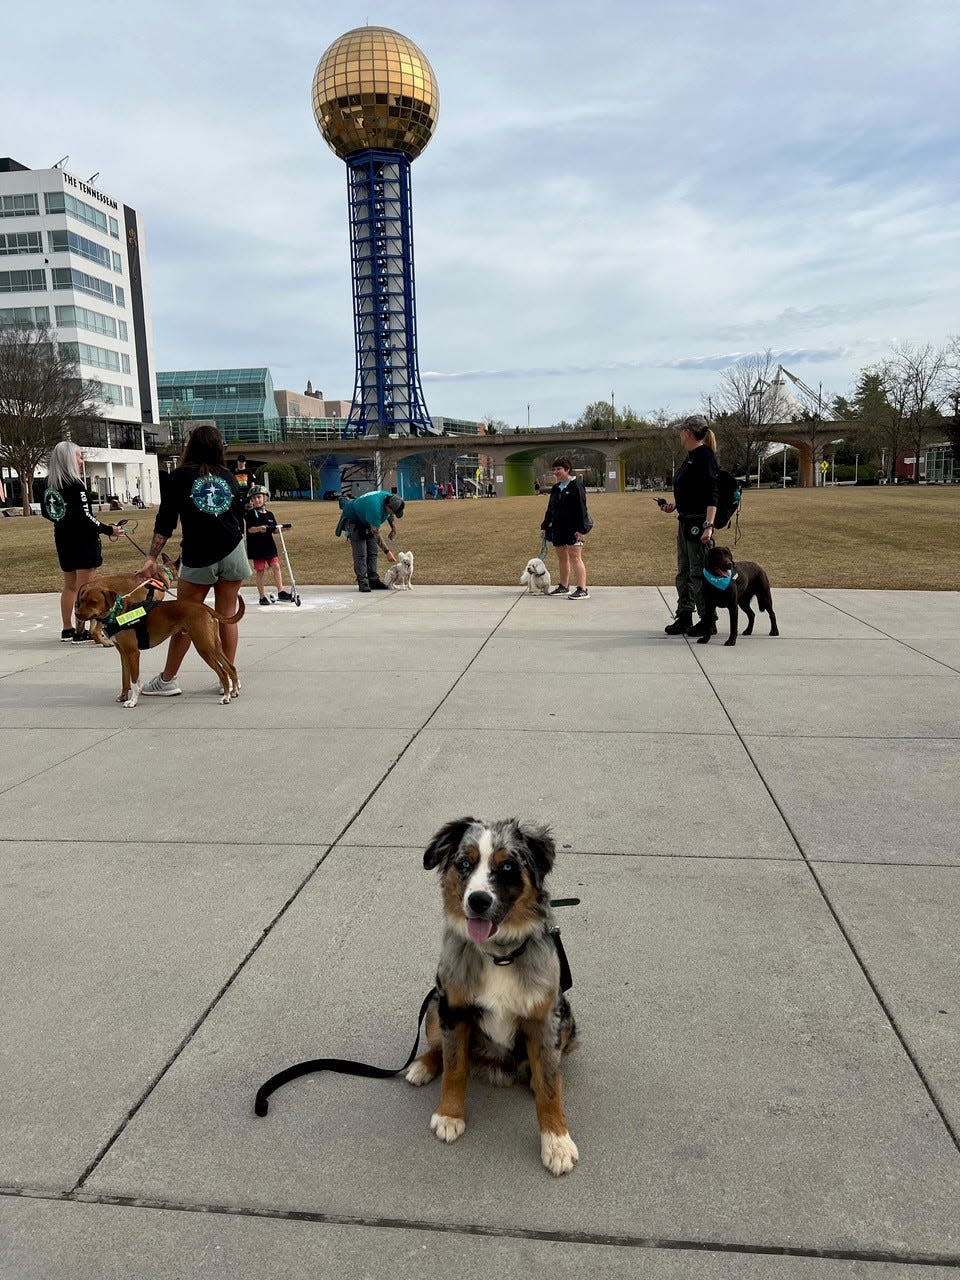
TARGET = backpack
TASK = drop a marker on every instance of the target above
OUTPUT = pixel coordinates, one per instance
(728, 499)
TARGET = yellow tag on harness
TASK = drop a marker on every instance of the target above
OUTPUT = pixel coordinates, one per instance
(133, 615)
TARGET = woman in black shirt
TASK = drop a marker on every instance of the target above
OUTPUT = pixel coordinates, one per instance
(695, 502)
(565, 523)
(204, 496)
(76, 530)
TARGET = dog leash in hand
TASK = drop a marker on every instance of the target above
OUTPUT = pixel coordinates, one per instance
(347, 1067)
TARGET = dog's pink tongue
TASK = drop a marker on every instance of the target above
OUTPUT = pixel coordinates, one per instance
(479, 930)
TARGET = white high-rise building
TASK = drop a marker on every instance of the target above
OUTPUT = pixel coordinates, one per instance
(72, 257)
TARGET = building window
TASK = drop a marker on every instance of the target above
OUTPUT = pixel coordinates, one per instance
(23, 281)
(123, 330)
(70, 242)
(127, 396)
(70, 278)
(60, 202)
(96, 357)
(24, 315)
(83, 318)
(19, 206)
(121, 297)
(114, 228)
(20, 242)
(108, 393)
(117, 264)
(124, 362)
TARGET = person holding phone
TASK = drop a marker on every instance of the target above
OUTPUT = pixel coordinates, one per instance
(695, 497)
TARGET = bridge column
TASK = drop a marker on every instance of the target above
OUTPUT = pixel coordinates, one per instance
(613, 473)
(806, 479)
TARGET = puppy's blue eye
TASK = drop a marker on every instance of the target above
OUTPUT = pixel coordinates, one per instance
(463, 865)
(508, 867)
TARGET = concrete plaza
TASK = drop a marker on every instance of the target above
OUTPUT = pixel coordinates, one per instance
(766, 961)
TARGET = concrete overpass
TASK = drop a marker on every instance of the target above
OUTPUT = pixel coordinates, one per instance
(514, 454)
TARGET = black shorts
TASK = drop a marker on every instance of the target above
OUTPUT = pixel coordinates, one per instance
(78, 553)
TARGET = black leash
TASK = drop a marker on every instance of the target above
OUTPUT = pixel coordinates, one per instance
(344, 1066)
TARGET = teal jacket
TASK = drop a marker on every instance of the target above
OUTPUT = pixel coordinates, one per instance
(369, 508)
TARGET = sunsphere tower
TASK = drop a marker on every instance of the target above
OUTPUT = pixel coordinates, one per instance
(376, 102)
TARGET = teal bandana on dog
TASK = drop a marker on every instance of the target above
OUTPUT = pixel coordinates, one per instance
(718, 584)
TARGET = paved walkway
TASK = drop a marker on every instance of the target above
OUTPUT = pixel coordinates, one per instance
(766, 962)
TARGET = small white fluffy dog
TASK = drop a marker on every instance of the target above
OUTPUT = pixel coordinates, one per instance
(399, 576)
(536, 577)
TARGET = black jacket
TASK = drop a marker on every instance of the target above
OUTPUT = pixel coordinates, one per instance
(695, 483)
(566, 514)
(210, 510)
(261, 544)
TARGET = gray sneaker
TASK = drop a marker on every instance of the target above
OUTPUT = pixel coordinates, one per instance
(160, 688)
(560, 591)
(581, 593)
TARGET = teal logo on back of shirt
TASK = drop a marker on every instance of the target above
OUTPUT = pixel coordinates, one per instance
(211, 495)
(54, 506)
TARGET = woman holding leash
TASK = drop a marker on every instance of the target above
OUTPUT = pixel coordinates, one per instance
(76, 530)
(565, 524)
(695, 502)
(203, 495)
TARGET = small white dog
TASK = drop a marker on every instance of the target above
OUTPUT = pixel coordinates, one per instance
(536, 577)
(399, 576)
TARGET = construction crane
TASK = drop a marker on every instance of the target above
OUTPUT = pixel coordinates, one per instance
(815, 397)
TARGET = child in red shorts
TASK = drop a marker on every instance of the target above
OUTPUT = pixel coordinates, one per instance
(261, 547)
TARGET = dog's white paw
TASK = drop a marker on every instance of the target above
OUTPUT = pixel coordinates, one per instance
(226, 698)
(559, 1153)
(447, 1128)
(420, 1073)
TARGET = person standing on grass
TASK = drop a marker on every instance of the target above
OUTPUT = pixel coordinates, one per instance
(565, 524)
(76, 530)
(203, 495)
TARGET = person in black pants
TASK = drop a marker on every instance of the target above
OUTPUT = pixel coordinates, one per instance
(695, 502)
(76, 530)
(565, 523)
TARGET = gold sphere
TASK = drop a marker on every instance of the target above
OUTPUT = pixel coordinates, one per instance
(373, 89)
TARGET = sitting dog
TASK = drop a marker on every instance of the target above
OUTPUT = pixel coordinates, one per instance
(536, 577)
(399, 577)
(146, 625)
(497, 1009)
(730, 584)
(134, 590)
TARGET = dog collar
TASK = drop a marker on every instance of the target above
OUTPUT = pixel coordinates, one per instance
(719, 584)
(513, 954)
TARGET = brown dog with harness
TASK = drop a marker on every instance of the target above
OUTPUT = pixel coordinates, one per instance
(134, 590)
(145, 624)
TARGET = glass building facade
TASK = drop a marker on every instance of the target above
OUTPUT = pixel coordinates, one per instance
(240, 401)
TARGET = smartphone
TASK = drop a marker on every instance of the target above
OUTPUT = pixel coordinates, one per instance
(661, 502)
(121, 523)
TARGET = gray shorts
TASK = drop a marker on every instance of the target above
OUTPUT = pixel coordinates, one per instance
(232, 568)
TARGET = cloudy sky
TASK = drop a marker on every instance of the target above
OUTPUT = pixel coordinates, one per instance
(622, 196)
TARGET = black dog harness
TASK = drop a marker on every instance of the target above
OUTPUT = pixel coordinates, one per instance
(345, 1067)
(136, 617)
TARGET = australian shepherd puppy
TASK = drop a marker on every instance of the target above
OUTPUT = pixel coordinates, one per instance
(498, 1010)
(536, 577)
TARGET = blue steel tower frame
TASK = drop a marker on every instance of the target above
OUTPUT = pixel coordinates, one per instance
(388, 397)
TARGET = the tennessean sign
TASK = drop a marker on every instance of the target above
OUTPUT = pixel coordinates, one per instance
(71, 181)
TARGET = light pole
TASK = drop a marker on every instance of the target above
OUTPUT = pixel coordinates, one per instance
(757, 392)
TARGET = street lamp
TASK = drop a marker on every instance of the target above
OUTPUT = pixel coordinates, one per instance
(757, 392)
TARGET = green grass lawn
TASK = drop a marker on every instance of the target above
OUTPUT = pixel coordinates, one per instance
(898, 537)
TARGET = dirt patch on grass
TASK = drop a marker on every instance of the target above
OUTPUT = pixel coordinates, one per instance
(895, 537)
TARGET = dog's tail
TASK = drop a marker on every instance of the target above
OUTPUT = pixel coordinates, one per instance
(241, 610)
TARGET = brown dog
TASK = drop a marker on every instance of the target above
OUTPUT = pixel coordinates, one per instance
(156, 624)
(744, 580)
(134, 590)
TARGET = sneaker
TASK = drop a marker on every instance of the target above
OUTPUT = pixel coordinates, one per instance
(265, 600)
(285, 595)
(560, 591)
(273, 599)
(364, 586)
(581, 593)
(377, 585)
(80, 636)
(160, 688)
(66, 633)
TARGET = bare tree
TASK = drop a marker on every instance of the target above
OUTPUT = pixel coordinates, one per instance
(917, 381)
(41, 397)
(747, 400)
